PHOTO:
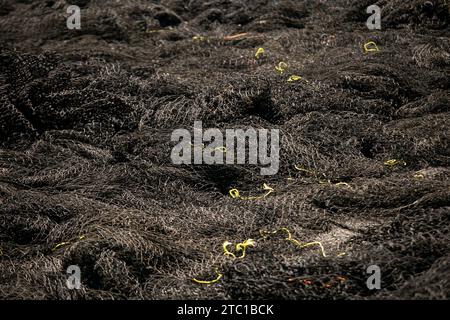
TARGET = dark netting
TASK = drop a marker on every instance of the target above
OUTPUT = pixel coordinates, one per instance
(86, 178)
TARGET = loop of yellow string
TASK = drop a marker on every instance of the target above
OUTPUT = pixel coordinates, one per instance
(226, 252)
(282, 67)
(367, 48)
(294, 78)
(260, 53)
(219, 276)
(234, 193)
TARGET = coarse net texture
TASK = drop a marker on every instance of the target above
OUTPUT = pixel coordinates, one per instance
(86, 178)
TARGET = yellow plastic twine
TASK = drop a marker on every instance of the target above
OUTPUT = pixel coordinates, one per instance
(239, 247)
(59, 245)
(226, 252)
(300, 245)
(302, 169)
(234, 193)
(199, 38)
(219, 276)
(343, 184)
(1, 252)
(152, 30)
(418, 176)
(367, 48)
(265, 234)
(282, 67)
(394, 162)
(294, 78)
(260, 53)
(62, 244)
(243, 247)
(251, 243)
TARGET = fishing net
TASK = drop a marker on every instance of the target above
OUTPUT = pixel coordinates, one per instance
(86, 178)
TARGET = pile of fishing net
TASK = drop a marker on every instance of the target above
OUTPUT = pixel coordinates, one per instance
(86, 178)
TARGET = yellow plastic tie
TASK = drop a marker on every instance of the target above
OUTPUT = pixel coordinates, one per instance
(199, 38)
(394, 162)
(259, 53)
(152, 30)
(244, 245)
(239, 247)
(302, 169)
(344, 184)
(219, 276)
(294, 78)
(309, 244)
(62, 244)
(367, 49)
(281, 68)
(226, 252)
(289, 235)
(59, 245)
(234, 193)
(418, 176)
(294, 241)
(1, 252)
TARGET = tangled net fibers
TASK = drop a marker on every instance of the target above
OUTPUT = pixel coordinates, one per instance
(86, 177)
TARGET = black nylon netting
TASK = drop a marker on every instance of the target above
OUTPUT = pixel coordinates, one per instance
(85, 123)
